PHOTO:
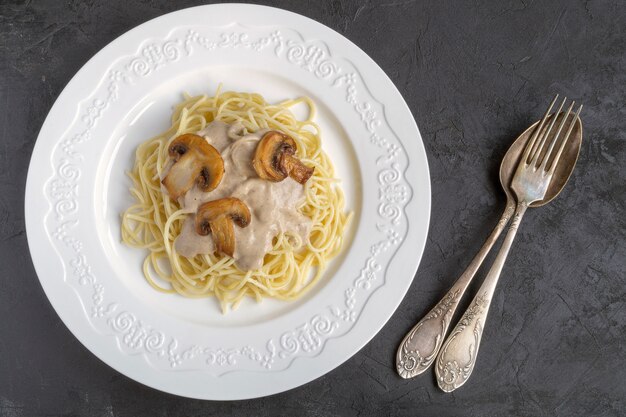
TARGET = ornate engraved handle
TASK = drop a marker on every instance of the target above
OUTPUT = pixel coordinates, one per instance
(458, 355)
(421, 345)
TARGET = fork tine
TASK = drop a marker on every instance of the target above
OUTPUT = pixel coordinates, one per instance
(533, 138)
(565, 139)
(556, 136)
(536, 153)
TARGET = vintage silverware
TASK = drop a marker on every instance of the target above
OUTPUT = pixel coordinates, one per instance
(546, 163)
(422, 343)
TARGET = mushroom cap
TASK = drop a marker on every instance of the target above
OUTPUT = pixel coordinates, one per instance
(274, 159)
(268, 154)
(195, 161)
(217, 218)
(183, 143)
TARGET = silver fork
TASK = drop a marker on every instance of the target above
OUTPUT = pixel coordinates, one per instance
(530, 182)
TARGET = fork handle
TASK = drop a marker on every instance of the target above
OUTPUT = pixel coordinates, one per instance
(456, 361)
(422, 343)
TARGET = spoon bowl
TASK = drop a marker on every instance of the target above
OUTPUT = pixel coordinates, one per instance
(563, 170)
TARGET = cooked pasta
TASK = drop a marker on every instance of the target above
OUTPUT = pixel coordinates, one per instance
(291, 267)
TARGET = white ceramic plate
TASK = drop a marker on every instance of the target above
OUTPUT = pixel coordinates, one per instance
(77, 189)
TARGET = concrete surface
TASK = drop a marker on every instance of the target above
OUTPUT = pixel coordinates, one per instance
(475, 74)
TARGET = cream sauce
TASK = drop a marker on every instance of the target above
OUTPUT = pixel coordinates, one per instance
(273, 205)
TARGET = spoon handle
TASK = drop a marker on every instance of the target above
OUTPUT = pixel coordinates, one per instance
(456, 361)
(420, 346)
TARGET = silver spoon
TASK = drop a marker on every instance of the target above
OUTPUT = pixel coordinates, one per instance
(547, 161)
(422, 343)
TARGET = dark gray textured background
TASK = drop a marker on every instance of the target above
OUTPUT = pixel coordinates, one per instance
(475, 74)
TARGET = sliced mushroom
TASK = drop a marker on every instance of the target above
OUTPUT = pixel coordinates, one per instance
(274, 159)
(217, 217)
(195, 161)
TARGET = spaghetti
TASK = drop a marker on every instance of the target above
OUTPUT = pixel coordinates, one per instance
(291, 267)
